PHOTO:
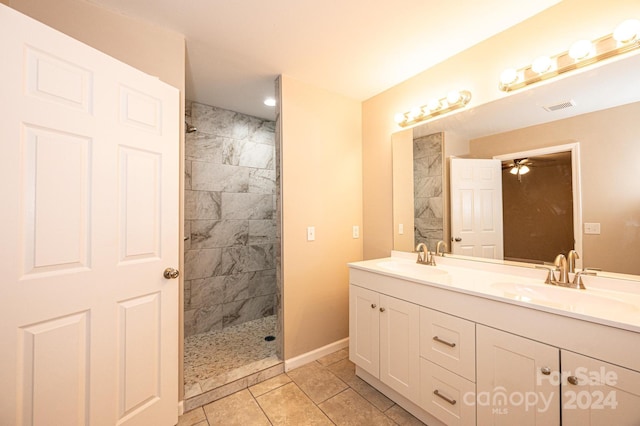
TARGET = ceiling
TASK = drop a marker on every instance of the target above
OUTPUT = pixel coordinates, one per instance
(357, 48)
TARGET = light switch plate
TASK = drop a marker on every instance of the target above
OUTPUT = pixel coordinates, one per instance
(592, 228)
(311, 233)
(401, 229)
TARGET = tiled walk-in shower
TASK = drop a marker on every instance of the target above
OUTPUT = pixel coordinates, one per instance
(230, 291)
(216, 358)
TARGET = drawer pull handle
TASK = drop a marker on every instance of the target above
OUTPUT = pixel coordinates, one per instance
(449, 400)
(373, 306)
(437, 339)
(545, 370)
(573, 380)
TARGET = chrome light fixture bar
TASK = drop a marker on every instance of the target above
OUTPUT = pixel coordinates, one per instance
(435, 107)
(625, 38)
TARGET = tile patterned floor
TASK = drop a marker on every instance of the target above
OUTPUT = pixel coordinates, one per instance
(219, 357)
(324, 392)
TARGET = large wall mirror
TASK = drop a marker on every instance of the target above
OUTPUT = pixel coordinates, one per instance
(595, 110)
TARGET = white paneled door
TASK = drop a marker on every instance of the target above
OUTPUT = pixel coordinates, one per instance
(476, 208)
(89, 187)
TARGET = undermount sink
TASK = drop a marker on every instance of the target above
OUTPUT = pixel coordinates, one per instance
(410, 267)
(574, 300)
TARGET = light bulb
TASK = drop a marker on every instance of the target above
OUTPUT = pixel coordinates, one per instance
(399, 118)
(508, 76)
(270, 102)
(434, 105)
(524, 170)
(541, 64)
(453, 97)
(415, 113)
(580, 49)
(514, 170)
(627, 31)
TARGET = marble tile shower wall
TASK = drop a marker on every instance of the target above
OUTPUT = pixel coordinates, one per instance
(230, 187)
(427, 191)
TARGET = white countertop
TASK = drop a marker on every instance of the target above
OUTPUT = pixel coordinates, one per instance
(609, 302)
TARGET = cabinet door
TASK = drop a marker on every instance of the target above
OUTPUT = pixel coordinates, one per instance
(364, 329)
(399, 346)
(515, 380)
(595, 393)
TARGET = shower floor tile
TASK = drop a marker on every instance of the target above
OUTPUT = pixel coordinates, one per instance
(216, 358)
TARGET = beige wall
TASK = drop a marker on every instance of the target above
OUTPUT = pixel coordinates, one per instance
(403, 211)
(149, 48)
(321, 184)
(476, 69)
(610, 181)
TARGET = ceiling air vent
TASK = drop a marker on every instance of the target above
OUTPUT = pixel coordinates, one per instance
(561, 105)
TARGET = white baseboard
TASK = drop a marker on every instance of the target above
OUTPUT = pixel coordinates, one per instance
(180, 408)
(300, 360)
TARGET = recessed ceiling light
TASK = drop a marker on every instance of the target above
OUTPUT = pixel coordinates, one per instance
(270, 102)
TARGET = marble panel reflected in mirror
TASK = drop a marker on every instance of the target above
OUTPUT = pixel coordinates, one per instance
(428, 225)
(603, 123)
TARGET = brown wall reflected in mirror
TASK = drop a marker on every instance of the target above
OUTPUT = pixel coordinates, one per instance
(537, 191)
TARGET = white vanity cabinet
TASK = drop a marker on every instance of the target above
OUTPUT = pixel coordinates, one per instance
(385, 339)
(598, 393)
(517, 380)
(452, 355)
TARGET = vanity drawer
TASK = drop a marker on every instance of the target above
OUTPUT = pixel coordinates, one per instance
(449, 342)
(446, 395)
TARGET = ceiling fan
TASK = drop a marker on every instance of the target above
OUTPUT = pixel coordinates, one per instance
(519, 167)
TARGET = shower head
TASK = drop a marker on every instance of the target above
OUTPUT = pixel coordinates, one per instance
(190, 128)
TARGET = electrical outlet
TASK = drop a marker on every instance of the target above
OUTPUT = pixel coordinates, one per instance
(311, 233)
(356, 231)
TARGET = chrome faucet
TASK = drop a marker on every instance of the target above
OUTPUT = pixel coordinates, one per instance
(424, 256)
(439, 251)
(564, 267)
(571, 259)
(423, 253)
(561, 263)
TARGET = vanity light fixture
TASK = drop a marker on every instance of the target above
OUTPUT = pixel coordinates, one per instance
(454, 100)
(270, 102)
(625, 38)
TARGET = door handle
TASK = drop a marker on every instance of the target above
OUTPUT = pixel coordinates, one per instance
(171, 274)
(457, 239)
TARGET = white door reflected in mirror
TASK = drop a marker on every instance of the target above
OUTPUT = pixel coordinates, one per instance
(476, 208)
